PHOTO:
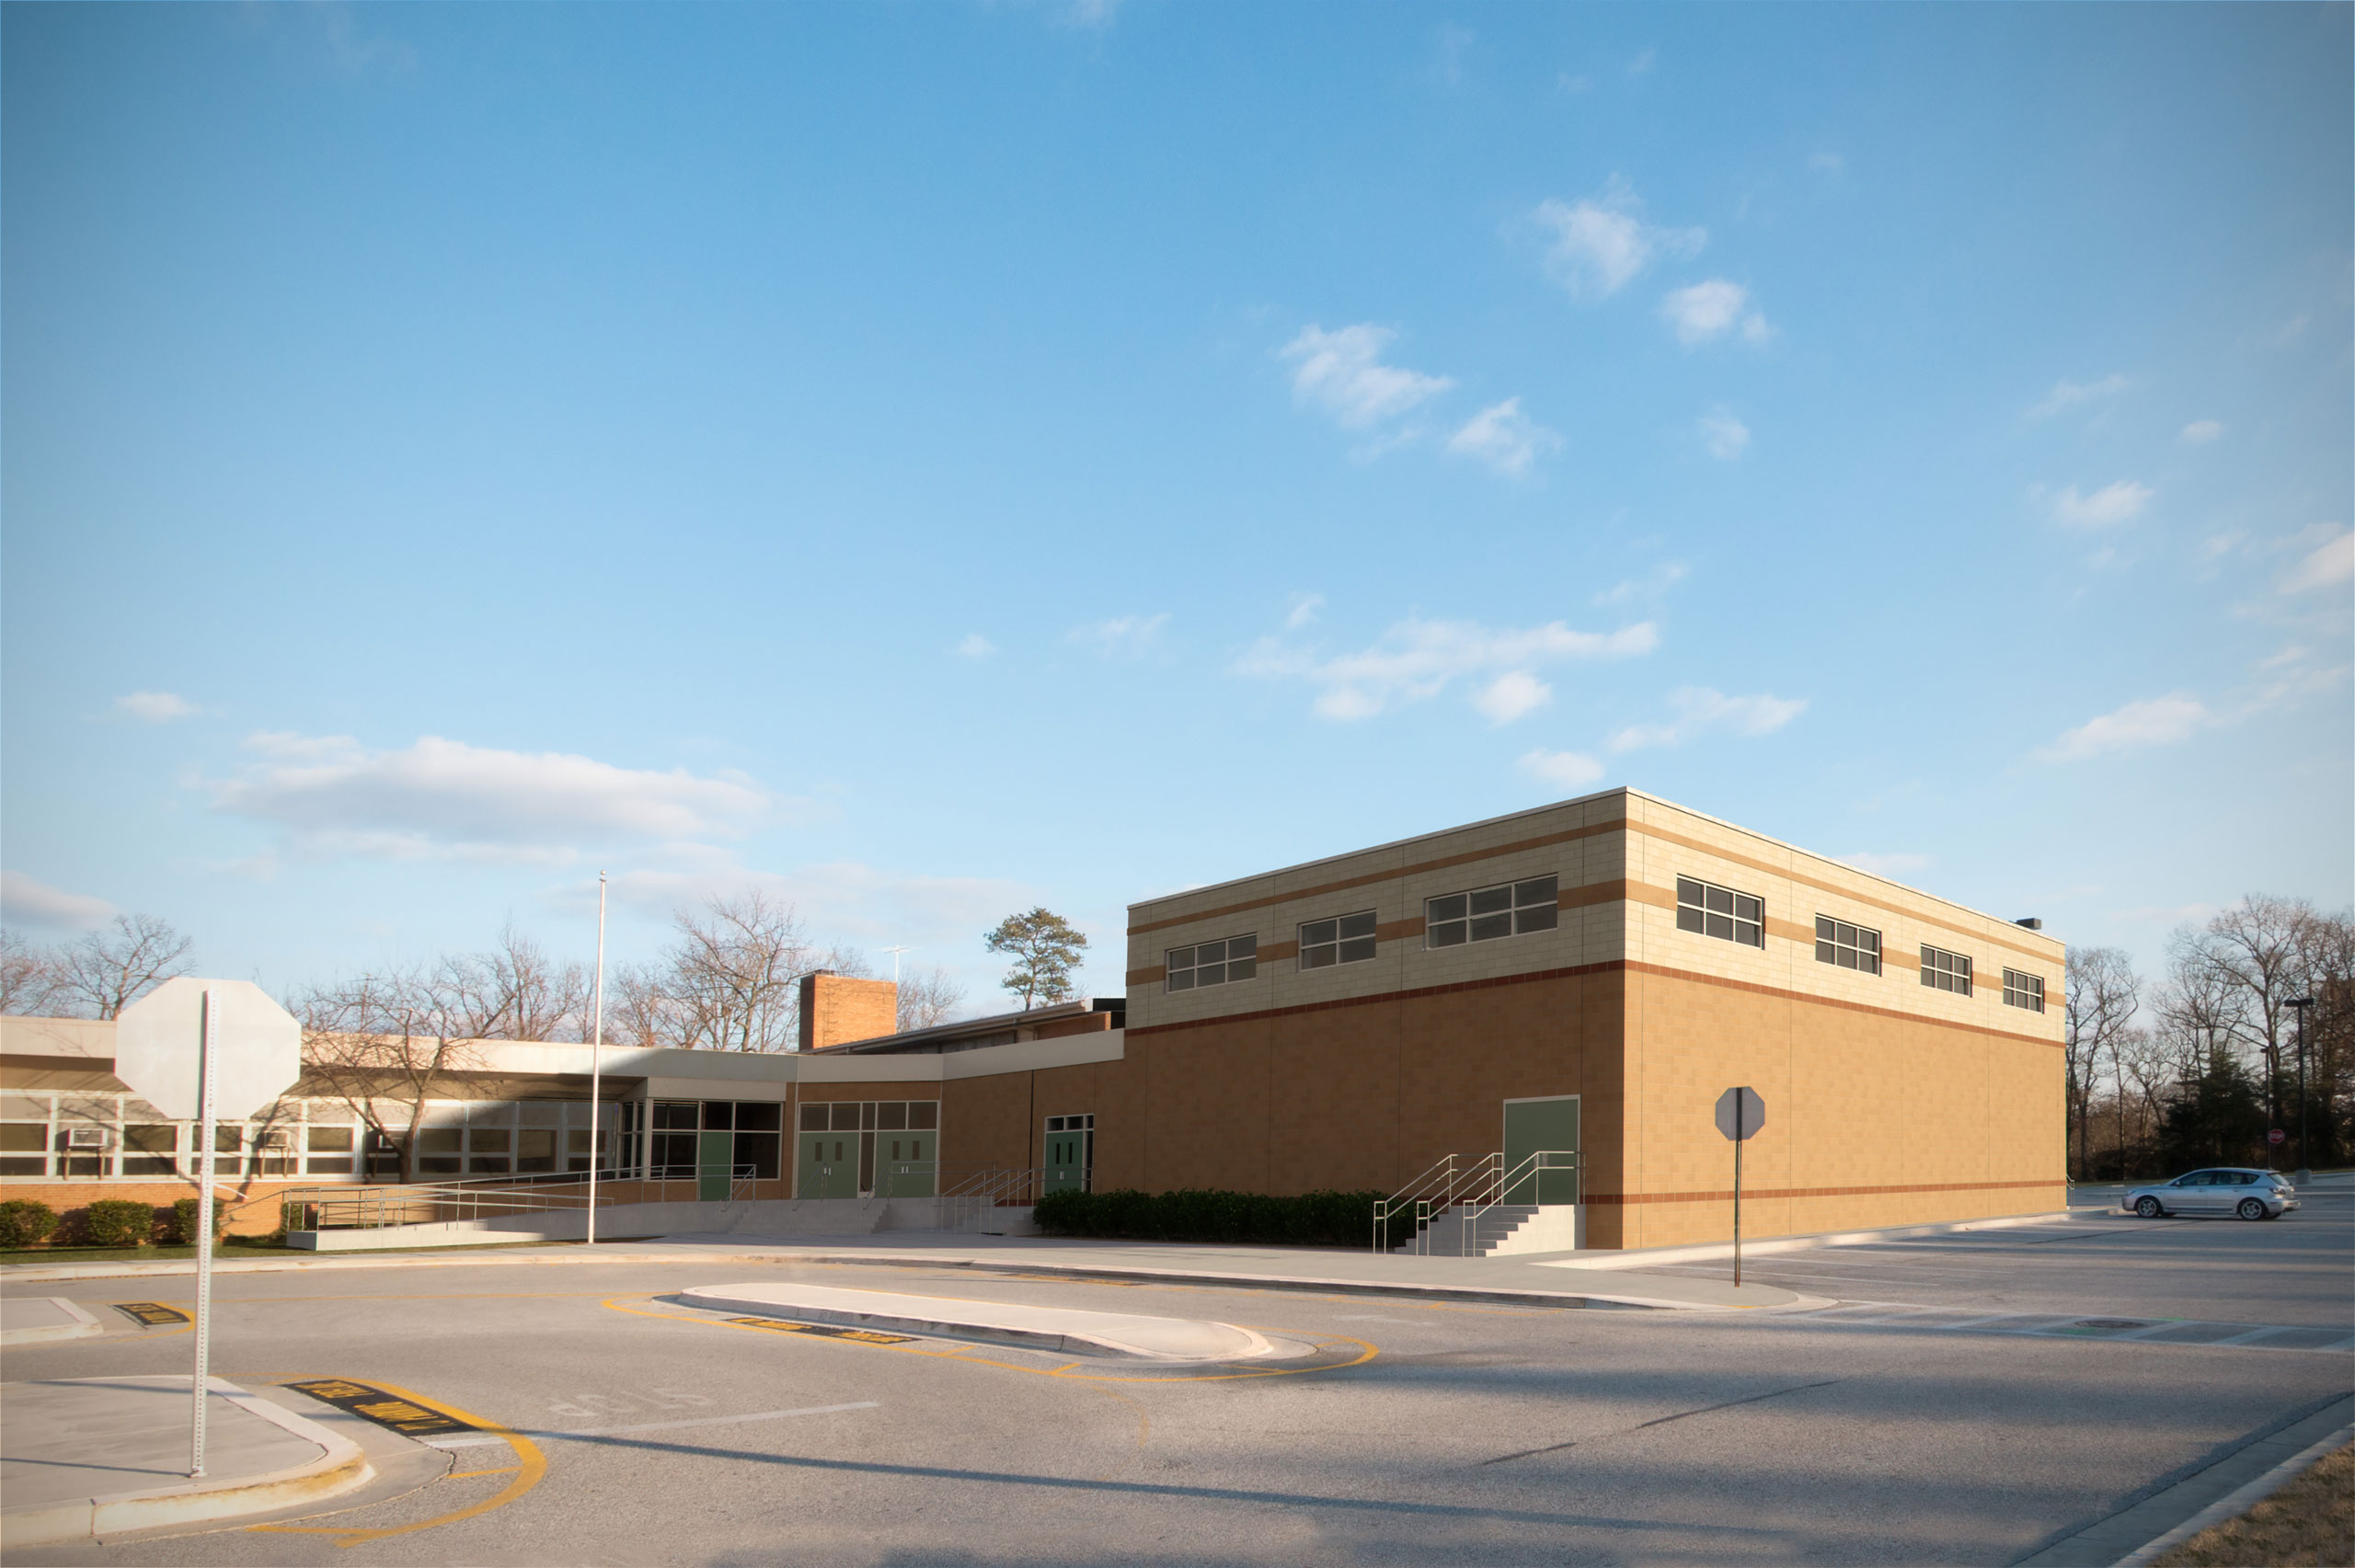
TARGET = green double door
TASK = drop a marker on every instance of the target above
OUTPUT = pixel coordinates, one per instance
(1543, 1136)
(1069, 1147)
(828, 1164)
(715, 1166)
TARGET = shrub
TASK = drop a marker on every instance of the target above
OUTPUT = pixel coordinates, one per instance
(1310, 1219)
(118, 1223)
(184, 1220)
(24, 1223)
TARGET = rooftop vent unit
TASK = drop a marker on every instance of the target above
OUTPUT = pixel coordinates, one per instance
(2032, 923)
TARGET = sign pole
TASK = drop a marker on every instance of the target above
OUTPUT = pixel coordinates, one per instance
(596, 1056)
(1740, 1134)
(207, 1063)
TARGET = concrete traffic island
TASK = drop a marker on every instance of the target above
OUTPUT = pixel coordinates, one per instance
(28, 1319)
(1060, 1328)
(83, 1458)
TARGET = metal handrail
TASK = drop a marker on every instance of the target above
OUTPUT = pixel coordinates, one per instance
(373, 1207)
(1474, 1206)
(1431, 1192)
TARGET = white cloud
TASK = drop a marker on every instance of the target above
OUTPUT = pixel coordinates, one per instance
(972, 645)
(1889, 865)
(2199, 433)
(1663, 578)
(1643, 62)
(25, 900)
(1709, 309)
(446, 800)
(2114, 503)
(1698, 710)
(1512, 694)
(2066, 394)
(1827, 163)
(1304, 610)
(2151, 721)
(1504, 438)
(1415, 659)
(1565, 770)
(1123, 636)
(156, 707)
(2333, 561)
(1342, 373)
(1724, 435)
(1601, 244)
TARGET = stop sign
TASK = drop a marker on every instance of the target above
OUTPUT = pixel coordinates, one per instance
(257, 1047)
(2276, 1136)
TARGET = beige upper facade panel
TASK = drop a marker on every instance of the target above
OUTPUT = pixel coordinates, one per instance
(1618, 856)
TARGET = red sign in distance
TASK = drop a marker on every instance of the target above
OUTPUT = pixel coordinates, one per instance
(2276, 1136)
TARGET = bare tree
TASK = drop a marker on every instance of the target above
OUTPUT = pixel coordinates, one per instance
(2251, 960)
(29, 978)
(515, 992)
(2103, 994)
(384, 1045)
(928, 997)
(109, 969)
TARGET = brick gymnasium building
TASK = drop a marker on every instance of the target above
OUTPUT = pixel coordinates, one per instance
(1587, 977)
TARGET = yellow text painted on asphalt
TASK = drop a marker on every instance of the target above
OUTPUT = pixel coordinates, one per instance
(531, 1465)
(153, 1315)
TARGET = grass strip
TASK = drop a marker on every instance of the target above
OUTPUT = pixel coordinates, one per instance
(2310, 1523)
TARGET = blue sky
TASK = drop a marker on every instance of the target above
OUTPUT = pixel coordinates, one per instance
(927, 459)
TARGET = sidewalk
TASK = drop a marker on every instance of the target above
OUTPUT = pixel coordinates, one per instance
(88, 1457)
(1526, 1278)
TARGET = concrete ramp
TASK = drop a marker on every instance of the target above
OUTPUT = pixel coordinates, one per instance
(1037, 1328)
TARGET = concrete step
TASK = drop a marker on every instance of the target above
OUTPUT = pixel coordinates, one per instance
(1501, 1229)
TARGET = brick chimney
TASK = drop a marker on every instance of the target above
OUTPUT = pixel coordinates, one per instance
(836, 1009)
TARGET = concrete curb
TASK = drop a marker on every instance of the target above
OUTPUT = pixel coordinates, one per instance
(1490, 1295)
(940, 1316)
(78, 1323)
(336, 1470)
(2232, 1505)
(1711, 1252)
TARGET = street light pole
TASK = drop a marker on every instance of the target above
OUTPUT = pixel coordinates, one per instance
(2305, 1161)
(597, 1062)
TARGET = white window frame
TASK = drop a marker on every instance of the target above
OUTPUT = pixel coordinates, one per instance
(1338, 939)
(1525, 905)
(1847, 944)
(1237, 960)
(1942, 970)
(1699, 913)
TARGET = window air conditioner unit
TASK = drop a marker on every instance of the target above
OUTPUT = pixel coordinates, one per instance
(88, 1138)
(275, 1141)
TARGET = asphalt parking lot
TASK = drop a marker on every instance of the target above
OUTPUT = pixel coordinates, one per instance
(1973, 1399)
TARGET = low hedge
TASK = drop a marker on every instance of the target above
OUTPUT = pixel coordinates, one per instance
(1311, 1219)
(25, 1223)
(184, 1220)
(118, 1223)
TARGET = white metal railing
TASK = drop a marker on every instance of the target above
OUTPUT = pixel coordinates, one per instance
(345, 1208)
(964, 1197)
(1470, 1186)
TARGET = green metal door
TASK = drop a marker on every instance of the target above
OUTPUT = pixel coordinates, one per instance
(824, 1164)
(715, 1163)
(1071, 1153)
(908, 1160)
(1543, 1137)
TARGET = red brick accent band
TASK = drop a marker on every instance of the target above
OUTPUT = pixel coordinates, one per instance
(1621, 1200)
(1626, 965)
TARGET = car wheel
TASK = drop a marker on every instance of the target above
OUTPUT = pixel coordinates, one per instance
(2251, 1209)
(2148, 1207)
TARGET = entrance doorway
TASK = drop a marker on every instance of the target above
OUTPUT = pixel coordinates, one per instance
(1071, 1153)
(1547, 1127)
(867, 1149)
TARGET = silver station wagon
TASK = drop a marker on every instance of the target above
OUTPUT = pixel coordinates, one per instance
(2225, 1189)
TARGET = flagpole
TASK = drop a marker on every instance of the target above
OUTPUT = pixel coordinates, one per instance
(596, 1062)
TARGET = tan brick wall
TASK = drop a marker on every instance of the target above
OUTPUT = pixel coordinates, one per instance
(836, 1009)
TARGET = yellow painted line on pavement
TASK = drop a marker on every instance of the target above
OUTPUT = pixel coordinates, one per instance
(962, 1353)
(533, 1465)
